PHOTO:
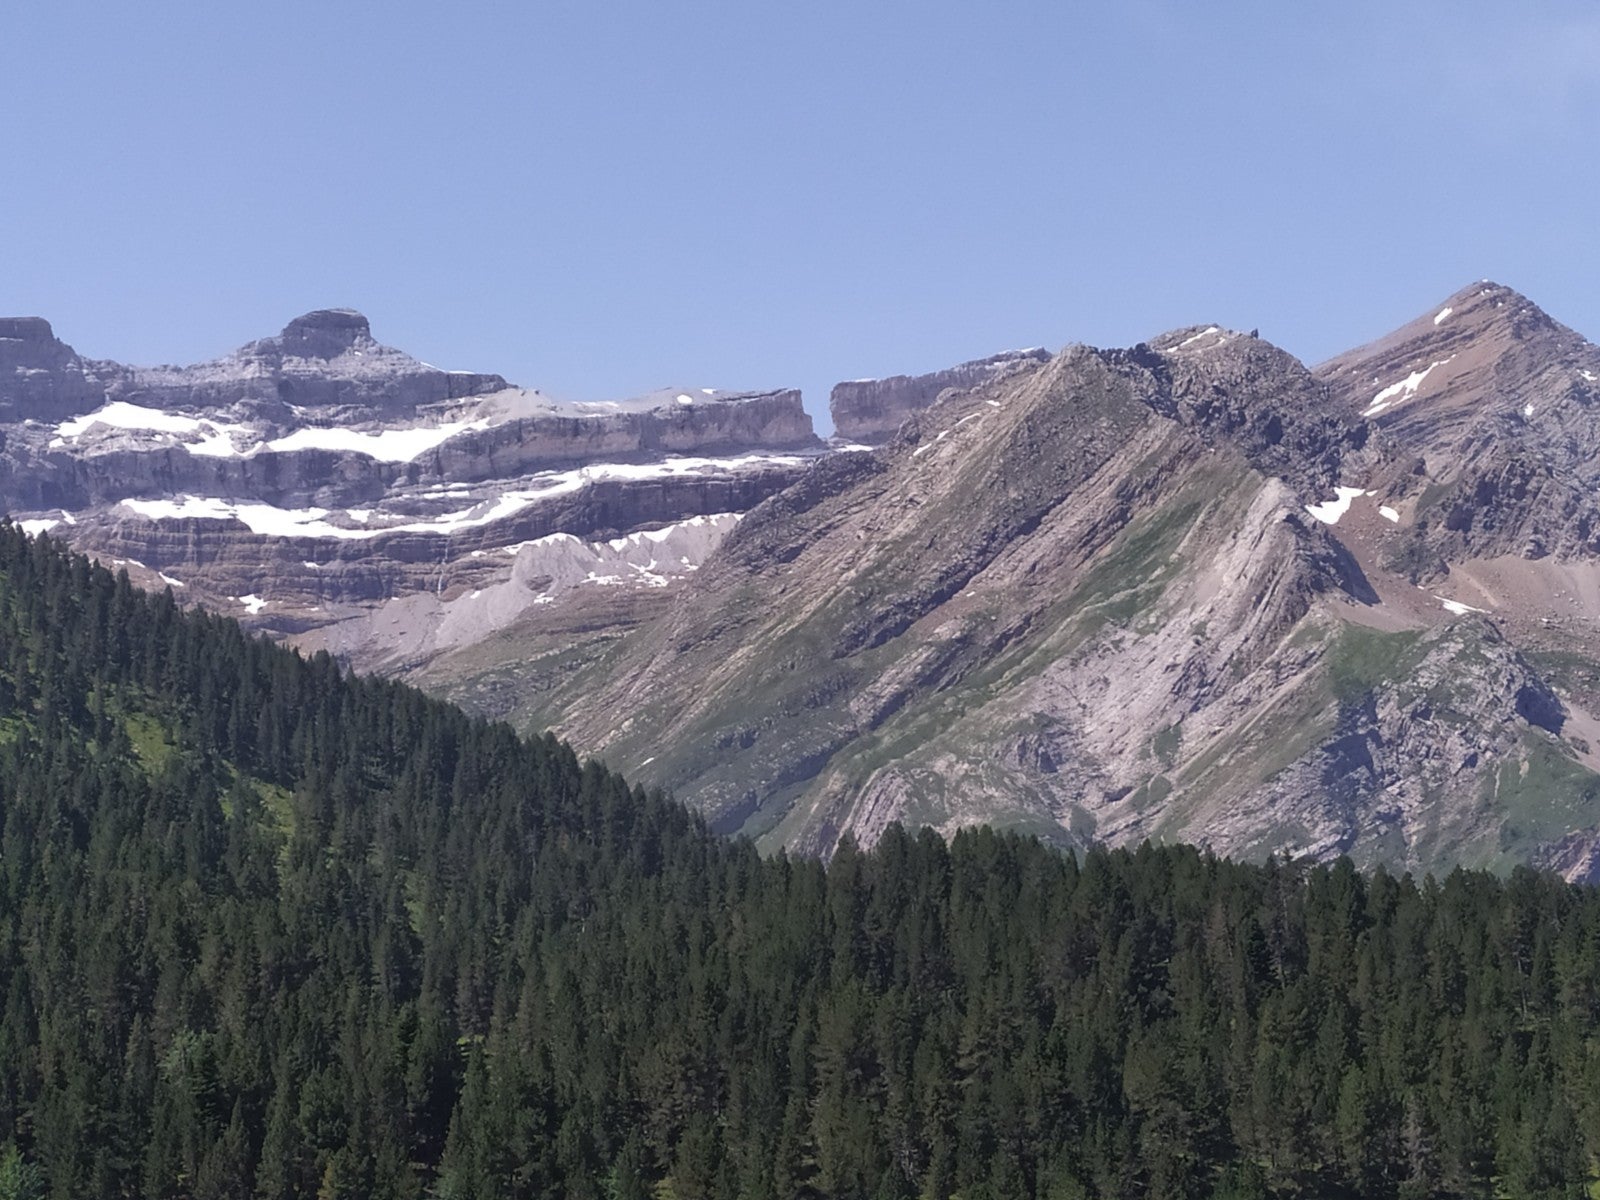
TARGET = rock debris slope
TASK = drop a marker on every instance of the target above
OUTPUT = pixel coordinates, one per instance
(321, 484)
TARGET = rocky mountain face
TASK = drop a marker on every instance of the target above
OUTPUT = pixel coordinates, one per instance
(868, 411)
(44, 377)
(317, 483)
(1187, 590)
(1489, 408)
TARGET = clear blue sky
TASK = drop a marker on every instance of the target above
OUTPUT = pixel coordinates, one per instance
(602, 198)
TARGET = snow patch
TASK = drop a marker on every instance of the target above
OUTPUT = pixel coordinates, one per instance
(119, 414)
(1329, 511)
(1443, 313)
(385, 445)
(1527, 410)
(1399, 393)
(1388, 514)
(253, 603)
(1457, 608)
(170, 581)
(36, 527)
(311, 522)
(218, 439)
(683, 399)
(1204, 333)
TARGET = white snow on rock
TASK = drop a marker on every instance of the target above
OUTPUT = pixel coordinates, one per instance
(36, 527)
(1192, 338)
(1457, 608)
(1443, 313)
(385, 445)
(219, 439)
(119, 414)
(1388, 514)
(253, 603)
(1399, 393)
(684, 399)
(1589, 375)
(272, 521)
(1329, 511)
(170, 581)
(1527, 410)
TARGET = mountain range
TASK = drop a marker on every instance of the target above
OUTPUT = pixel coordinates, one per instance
(1190, 590)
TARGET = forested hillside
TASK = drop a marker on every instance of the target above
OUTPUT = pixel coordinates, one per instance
(269, 930)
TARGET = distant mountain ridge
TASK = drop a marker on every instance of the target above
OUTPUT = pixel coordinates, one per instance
(1189, 590)
(306, 480)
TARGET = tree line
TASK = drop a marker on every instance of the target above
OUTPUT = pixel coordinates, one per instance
(268, 929)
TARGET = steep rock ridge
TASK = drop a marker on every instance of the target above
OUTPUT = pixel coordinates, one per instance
(1003, 531)
(869, 411)
(1111, 595)
(307, 479)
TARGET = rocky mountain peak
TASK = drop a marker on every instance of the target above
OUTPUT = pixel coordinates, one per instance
(1482, 343)
(26, 329)
(1238, 388)
(1486, 410)
(324, 333)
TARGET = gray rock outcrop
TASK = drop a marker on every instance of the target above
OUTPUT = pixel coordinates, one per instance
(869, 411)
(41, 377)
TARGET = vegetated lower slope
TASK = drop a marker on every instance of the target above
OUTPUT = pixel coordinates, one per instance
(1102, 597)
(268, 930)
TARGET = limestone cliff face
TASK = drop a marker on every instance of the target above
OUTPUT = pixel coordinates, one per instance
(324, 359)
(309, 478)
(41, 377)
(869, 411)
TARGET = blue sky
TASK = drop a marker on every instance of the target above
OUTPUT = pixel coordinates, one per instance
(602, 198)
